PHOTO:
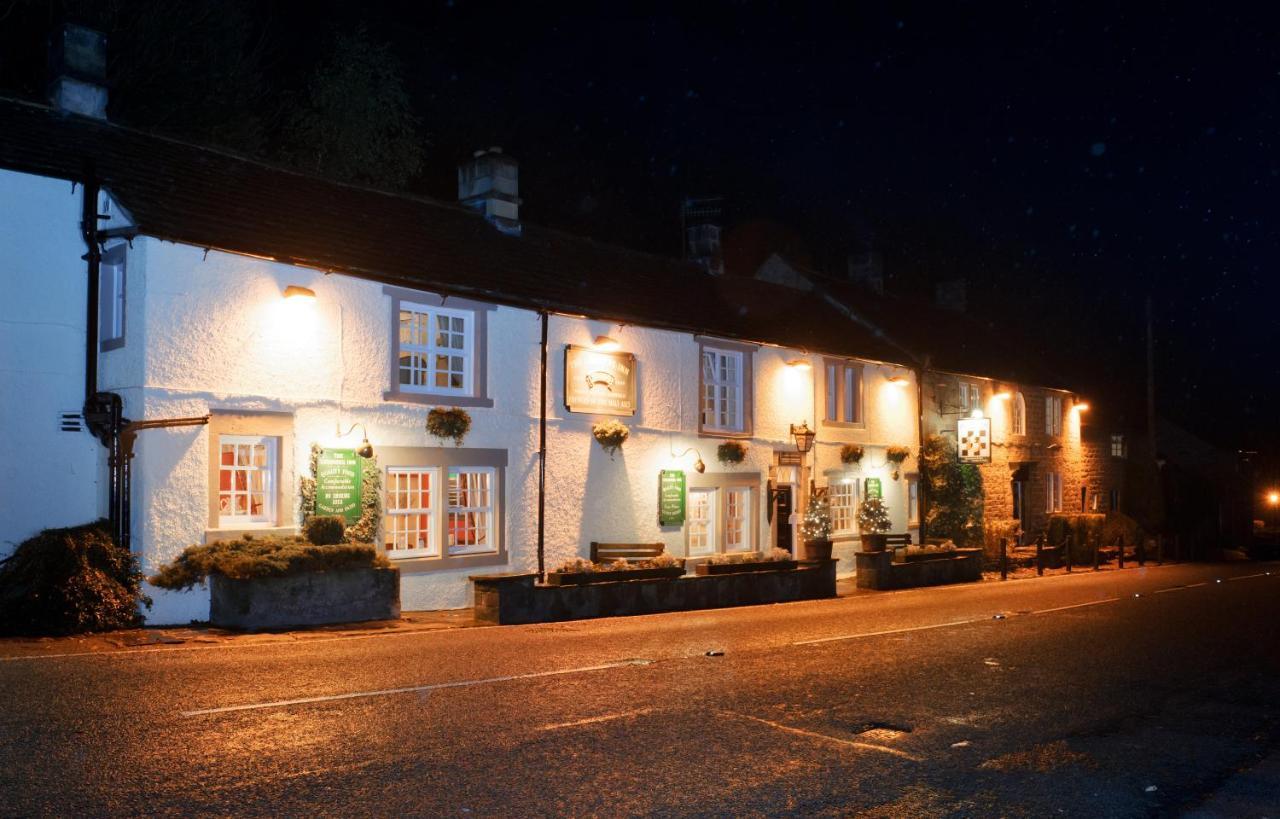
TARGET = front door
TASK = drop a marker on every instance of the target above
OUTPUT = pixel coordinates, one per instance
(782, 517)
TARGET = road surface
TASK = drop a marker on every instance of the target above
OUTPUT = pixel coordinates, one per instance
(1121, 693)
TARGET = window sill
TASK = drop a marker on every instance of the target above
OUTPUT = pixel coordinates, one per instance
(437, 400)
(215, 535)
(855, 425)
(427, 565)
(718, 433)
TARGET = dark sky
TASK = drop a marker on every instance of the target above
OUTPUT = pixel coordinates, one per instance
(1067, 159)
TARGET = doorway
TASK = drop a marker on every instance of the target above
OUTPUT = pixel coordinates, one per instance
(784, 506)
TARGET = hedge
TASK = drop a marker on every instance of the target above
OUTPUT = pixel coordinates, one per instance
(250, 557)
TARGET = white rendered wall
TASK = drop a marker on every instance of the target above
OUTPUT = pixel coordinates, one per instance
(220, 337)
(47, 477)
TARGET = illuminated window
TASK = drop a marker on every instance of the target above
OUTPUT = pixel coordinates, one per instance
(968, 396)
(723, 390)
(1019, 415)
(470, 523)
(435, 349)
(702, 521)
(842, 494)
(842, 391)
(1053, 492)
(913, 500)
(720, 515)
(407, 528)
(737, 519)
(426, 506)
(1117, 446)
(246, 481)
(1053, 415)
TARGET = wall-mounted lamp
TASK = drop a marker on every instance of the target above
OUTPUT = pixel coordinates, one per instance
(799, 364)
(976, 413)
(365, 450)
(1082, 406)
(698, 465)
(296, 291)
(1003, 395)
(606, 344)
(803, 437)
(1273, 498)
(898, 380)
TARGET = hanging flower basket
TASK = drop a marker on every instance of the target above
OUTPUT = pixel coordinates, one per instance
(731, 452)
(896, 455)
(851, 453)
(452, 423)
(610, 435)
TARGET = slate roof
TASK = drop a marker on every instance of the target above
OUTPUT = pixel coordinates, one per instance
(208, 198)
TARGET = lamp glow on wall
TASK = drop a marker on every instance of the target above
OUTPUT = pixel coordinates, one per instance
(606, 344)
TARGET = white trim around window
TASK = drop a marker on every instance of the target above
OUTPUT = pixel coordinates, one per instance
(725, 370)
(438, 349)
(842, 392)
(913, 500)
(1019, 414)
(1053, 492)
(248, 471)
(722, 514)
(1053, 415)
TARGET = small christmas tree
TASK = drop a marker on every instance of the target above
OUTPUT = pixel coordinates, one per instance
(817, 518)
(873, 518)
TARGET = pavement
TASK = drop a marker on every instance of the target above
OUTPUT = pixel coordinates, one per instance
(1136, 692)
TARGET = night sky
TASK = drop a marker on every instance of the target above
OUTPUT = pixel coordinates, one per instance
(1066, 160)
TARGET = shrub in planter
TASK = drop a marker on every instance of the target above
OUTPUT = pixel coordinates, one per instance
(851, 453)
(774, 560)
(610, 435)
(67, 581)
(453, 423)
(731, 452)
(580, 571)
(816, 527)
(325, 530)
(250, 557)
(873, 521)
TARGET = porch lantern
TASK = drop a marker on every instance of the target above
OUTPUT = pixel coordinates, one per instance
(803, 437)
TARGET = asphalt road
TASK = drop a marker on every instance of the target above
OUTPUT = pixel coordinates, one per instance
(1082, 699)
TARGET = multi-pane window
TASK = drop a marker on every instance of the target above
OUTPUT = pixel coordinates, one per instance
(722, 390)
(111, 290)
(702, 521)
(426, 506)
(1053, 415)
(246, 480)
(843, 397)
(1117, 445)
(969, 396)
(1053, 492)
(843, 497)
(436, 347)
(1019, 414)
(737, 519)
(470, 521)
(913, 500)
(408, 530)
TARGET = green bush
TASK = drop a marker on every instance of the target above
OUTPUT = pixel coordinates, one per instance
(68, 581)
(1118, 525)
(992, 532)
(249, 557)
(325, 530)
(954, 491)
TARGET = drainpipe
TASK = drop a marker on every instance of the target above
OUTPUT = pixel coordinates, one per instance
(922, 485)
(89, 230)
(542, 454)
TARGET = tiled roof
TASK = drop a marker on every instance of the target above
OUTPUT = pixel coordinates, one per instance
(208, 198)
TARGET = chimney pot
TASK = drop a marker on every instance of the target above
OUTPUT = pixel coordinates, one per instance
(78, 71)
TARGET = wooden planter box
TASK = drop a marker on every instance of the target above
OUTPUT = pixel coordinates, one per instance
(587, 578)
(706, 569)
(309, 599)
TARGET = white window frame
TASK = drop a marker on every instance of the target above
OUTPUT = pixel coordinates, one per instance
(744, 498)
(913, 500)
(839, 489)
(270, 470)
(703, 526)
(970, 395)
(431, 315)
(1053, 415)
(1053, 492)
(488, 510)
(1117, 445)
(1019, 421)
(111, 298)
(715, 399)
(430, 511)
(842, 405)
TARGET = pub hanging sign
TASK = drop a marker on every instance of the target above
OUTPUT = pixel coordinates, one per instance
(338, 476)
(599, 382)
(973, 440)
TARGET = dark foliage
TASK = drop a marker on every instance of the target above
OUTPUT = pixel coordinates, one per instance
(325, 530)
(68, 581)
(954, 491)
(250, 557)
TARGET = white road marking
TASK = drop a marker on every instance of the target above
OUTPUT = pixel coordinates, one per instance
(595, 720)
(1077, 605)
(865, 746)
(1247, 576)
(887, 631)
(1173, 589)
(412, 688)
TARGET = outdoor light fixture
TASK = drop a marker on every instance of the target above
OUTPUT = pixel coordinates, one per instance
(606, 344)
(803, 437)
(1003, 395)
(799, 364)
(1273, 498)
(977, 412)
(295, 291)
(1082, 406)
(698, 465)
(898, 380)
(365, 450)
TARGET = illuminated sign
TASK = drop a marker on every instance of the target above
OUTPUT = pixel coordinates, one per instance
(599, 382)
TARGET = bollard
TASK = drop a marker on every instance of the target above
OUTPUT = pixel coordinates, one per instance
(1120, 543)
(1004, 558)
(1067, 546)
(1040, 556)
(1097, 552)
(1142, 551)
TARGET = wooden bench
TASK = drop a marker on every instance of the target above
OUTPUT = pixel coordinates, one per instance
(630, 552)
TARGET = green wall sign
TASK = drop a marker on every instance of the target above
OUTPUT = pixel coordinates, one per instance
(872, 488)
(338, 474)
(671, 497)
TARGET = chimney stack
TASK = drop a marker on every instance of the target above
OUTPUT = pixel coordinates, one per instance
(489, 183)
(867, 269)
(78, 71)
(951, 295)
(701, 221)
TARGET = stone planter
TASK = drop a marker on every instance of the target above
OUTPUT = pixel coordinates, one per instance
(876, 570)
(587, 578)
(817, 549)
(706, 569)
(874, 542)
(309, 599)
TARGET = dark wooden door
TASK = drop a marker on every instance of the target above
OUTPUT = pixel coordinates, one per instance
(782, 514)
